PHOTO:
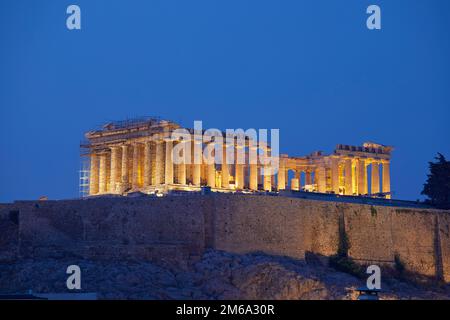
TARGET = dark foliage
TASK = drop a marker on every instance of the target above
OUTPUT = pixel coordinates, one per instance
(437, 186)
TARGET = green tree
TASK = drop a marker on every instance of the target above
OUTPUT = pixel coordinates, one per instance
(437, 186)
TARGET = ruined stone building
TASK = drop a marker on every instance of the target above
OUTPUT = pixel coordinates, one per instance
(137, 155)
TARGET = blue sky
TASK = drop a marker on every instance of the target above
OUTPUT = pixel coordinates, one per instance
(310, 68)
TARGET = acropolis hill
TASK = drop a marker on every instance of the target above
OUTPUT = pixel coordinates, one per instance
(139, 205)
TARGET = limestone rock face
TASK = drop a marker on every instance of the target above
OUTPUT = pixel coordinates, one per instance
(216, 275)
(272, 281)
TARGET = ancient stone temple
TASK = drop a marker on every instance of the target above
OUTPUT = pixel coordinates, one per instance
(138, 155)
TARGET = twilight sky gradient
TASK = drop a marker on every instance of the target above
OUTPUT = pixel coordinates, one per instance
(310, 68)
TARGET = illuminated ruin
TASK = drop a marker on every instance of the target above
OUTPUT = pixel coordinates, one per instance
(137, 155)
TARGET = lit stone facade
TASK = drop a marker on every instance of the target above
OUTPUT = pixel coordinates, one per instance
(132, 156)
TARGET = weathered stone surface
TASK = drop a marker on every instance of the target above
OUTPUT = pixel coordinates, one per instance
(444, 237)
(292, 227)
(217, 275)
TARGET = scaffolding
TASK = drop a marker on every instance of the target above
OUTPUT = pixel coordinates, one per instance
(132, 122)
(87, 147)
(84, 174)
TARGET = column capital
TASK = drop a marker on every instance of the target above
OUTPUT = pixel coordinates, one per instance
(159, 137)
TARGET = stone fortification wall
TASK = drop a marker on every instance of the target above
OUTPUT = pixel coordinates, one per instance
(180, 227)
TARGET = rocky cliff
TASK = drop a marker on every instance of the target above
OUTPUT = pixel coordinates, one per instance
(217, 275)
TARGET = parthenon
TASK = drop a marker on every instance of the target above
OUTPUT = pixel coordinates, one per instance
(137, 156)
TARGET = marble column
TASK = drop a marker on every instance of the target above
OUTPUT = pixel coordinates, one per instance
(260, 176)
(386, 182)
(320, 179)
(168, 173)
(362, 176)
(135, 172)
(211, 165)
(115, 169)
(197, 162)
(272, 179)
(295, 182)
(366, 180)
(147, 164)
(253, 163)
(182, 165)
(103, 174)
(308, 178)
(281, 174)
(124, 171)
(159, 160)
(239, 168)
(348, 180)
(93, 175)
(375, 180)
(335, 175)
(211, 175)
(267, 182)
(225, 168)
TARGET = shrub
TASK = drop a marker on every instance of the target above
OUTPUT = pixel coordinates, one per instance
(347, 265)
(373, 211)
(399, 264)
(344, 245)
